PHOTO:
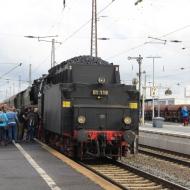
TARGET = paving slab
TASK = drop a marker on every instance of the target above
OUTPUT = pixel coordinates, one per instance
(16, 173)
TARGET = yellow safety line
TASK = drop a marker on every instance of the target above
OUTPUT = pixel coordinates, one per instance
(89, 174)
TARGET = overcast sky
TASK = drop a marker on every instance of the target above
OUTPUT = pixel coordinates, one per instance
(128, 27)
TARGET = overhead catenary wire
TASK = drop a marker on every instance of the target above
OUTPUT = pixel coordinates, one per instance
(7, 81)
(10, 70)
(116, 55)
(75, 32)
(86, 23)
(16, 80)
(58, 20)
(8, 63)
(177, 30)
(145, 43)
(128, 50)
(175, 73)
(60, 17)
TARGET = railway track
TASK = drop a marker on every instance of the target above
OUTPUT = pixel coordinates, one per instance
(165, 155)
(129, 178)
(124, 176)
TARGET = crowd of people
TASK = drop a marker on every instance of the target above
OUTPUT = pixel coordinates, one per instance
(18, 125)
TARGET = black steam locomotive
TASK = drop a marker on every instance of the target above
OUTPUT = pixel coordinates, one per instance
(86, 111)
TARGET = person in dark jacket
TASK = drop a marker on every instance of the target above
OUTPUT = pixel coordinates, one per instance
(22, 117)
(32, 122)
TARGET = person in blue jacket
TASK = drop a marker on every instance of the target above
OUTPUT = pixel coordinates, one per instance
(12, 124)
(185, 115)
(3, 126)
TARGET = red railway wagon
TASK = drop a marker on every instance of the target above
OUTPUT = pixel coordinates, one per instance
(168, 112)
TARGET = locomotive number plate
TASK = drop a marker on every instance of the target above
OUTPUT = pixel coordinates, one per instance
(100, 92)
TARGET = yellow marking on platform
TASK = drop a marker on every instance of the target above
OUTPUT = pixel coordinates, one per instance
(89, 174)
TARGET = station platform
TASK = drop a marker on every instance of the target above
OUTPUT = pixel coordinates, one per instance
(31, 167)
(172, 136)
(174, 128)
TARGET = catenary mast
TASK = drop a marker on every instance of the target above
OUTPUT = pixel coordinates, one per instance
(94, 48)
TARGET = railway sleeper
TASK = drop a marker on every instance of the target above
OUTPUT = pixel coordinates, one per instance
(145, 188)
(142, 184)
(133, 181)
(127, 177)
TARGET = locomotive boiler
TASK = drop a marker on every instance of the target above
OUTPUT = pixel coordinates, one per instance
(86, 110)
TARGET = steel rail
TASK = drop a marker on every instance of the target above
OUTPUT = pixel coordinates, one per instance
(165, 155)
(144, 176)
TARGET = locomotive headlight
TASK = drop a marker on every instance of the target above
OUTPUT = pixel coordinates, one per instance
(127, 120)
(101, 80)
(81, 119)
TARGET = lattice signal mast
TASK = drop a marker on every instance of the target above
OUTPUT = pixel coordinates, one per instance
(94, 43)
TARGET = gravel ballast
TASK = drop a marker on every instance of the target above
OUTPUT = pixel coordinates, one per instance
(167, 170)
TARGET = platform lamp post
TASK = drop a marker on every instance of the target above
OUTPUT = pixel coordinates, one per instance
(143, 97)
(153, 84)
